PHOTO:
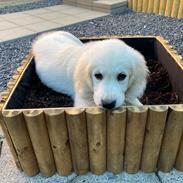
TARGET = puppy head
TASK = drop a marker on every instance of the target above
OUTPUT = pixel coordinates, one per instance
(109, 71)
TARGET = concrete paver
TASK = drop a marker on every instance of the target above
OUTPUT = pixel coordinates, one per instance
(20, 24)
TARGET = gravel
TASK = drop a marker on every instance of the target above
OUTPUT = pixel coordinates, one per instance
(29, 6)
(127, 23)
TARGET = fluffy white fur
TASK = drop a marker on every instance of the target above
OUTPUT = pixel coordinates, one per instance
(66, 65)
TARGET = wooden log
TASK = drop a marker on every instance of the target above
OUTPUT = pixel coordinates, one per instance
(145, 5)
(150, 6)
(156, 6)
(179, 159)
(171, 139)
(40, 140)
(134, 5)
(136, 121)
(21, 140)
(76, 122)
(57, 129)
(139, 5)
(9, 140)
(168, 9)
(130, 4)
(175, 8)
(153, 137)
(180, 12)
(116, 125)
(96, 125)
(162, 7)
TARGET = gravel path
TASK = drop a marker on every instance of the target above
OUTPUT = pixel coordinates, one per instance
(128, 23)
(29, 6)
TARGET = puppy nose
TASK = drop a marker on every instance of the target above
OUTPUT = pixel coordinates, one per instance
(108, 105)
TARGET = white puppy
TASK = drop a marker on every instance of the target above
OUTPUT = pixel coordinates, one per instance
(105, 73)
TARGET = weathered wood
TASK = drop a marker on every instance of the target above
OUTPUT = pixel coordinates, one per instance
(21, 140)
(162, 7)
(150, 6)
(130, 4)
(134, 5)
(156, 6)
(76, 122)
(40, 140)
(145, 5)
(153, 137)
(175, 8)
(180, 12)
(168, 9)
(136, 121)
(9, 140)
(179, 159)
(96, 125)
(139, 5)
(171, 139)
(116, 125)
(57, 129)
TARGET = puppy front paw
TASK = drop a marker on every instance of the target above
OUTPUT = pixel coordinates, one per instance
(133, 101)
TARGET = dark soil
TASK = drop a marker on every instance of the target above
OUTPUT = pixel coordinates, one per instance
(158, 91)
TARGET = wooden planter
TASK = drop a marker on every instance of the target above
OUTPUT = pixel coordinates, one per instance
(63, 140)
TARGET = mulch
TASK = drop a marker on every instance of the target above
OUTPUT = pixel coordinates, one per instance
(158, 91)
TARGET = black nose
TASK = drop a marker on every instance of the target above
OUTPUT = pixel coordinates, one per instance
(108, 105)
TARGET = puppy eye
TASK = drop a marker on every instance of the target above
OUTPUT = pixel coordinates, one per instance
(121, 77)
(99, 76)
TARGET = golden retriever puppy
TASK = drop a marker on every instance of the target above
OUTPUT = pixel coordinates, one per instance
(105, 73)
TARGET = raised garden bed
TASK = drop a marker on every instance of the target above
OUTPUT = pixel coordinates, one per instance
(47, 136)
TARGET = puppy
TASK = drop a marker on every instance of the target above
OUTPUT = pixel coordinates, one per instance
(105, 73)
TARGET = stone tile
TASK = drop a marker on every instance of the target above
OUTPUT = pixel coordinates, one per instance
(59, 7)
(51, 16)
(7, 25)
(27, 20)
(91, 14)
(38, 11)
(14, 16)
(39, 27)
(67, 20)
(14, 33)
(73, 11)
(171, 177)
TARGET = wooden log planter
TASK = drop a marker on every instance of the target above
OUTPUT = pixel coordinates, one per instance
(63, 140)
(172, 8)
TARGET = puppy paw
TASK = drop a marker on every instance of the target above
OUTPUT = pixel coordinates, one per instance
(134, 101)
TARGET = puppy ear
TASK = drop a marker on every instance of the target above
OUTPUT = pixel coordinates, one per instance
(82, 78)
(138, 77)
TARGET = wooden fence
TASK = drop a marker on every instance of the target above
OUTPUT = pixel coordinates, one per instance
(172, 8)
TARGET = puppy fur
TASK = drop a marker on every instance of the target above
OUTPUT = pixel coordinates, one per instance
(68, 66)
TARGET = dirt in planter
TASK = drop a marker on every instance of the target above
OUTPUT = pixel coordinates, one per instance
(158, 91)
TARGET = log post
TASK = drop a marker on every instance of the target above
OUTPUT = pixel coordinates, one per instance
(40, 140)
(145, 5)
(171, 139)
(130, 4)
(168, 9)
(134, 4)
(139, 5)
(58, 133)
(96, 125)
(162, 7)
(21, 140)
(179, 159)
(116, 125)
(175, 8)
(180, 12)
(150, 6)
(136, 121)
(156, 6)
(153, 137)
(76, 122)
